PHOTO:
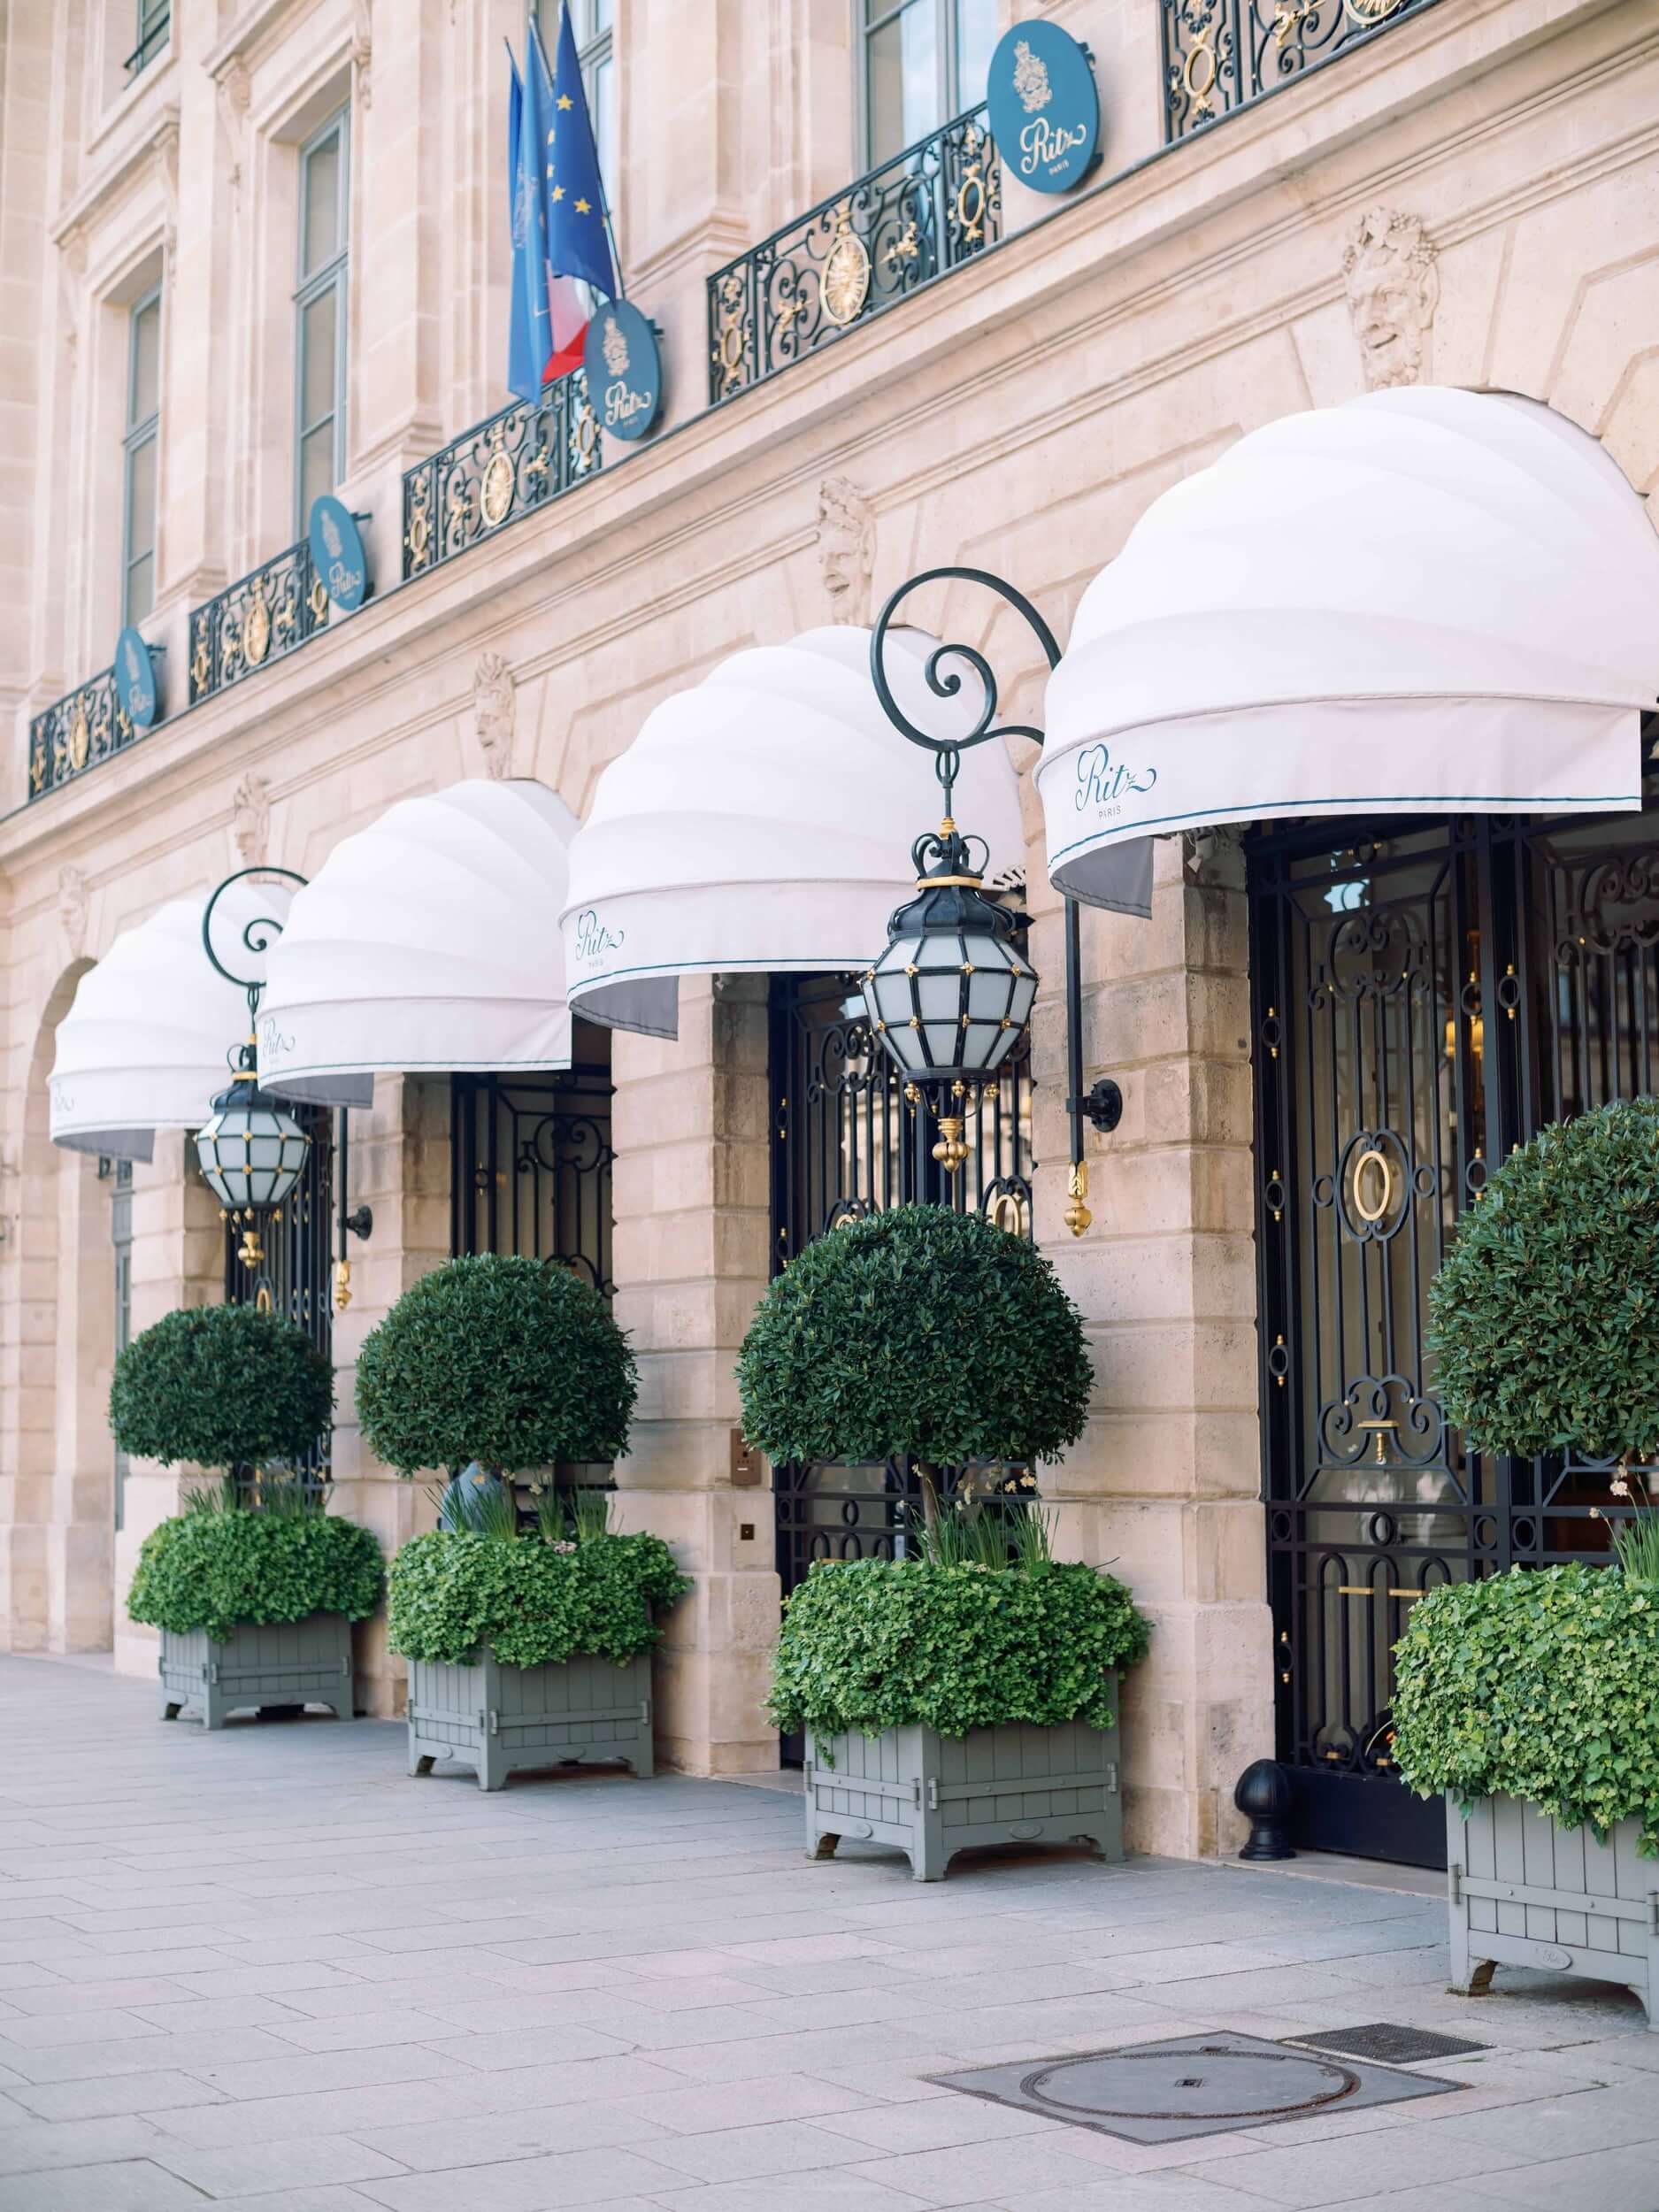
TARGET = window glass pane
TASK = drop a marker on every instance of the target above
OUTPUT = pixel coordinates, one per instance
(146, 385)
(140, 588)
(322, 205)
(902, 62)
(602, 105)
(140, 499)
(316, 356)
(598, 16)
(317, 465)
(977, 35)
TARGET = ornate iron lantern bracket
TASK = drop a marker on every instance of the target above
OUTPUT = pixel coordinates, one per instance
(949, 852)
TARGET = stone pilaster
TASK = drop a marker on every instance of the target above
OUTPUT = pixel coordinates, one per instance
(690, 1124)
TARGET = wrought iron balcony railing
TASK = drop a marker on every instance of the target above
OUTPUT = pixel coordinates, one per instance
(1220, 55)
(257, 618)
(85, 726)
(497, 471)
(930, 209)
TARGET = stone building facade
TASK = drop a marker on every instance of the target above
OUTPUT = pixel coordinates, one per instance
(1464, 192)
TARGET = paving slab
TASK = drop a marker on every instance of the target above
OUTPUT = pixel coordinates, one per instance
(266, 1968)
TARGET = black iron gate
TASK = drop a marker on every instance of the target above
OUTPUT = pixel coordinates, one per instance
(531, 1162)
(848, 1141)
(1423, 1002)
(292, 1275)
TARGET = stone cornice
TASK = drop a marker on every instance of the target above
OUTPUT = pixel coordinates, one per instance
(160, 132)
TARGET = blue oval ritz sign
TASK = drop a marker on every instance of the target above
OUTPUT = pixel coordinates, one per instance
(1045, 110)
(135, 679)
(625, 369)
(338, 555)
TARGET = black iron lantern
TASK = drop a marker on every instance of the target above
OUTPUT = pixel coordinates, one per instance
(951, 994)
(251, 1149)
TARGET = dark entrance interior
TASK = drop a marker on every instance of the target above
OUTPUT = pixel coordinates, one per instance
(1423, 1002)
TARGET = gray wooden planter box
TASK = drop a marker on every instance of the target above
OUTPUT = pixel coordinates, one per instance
(1527, 1891)
(501, 1720)
(261, 1664)
(932, 1795)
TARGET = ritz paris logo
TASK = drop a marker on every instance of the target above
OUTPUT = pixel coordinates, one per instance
(593, 938)
(1102, 782)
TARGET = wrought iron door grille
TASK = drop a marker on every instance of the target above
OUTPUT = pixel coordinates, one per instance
(929, 210)
(1424, 1002)
(517, 460)
(1222, 55)
(294, 1278)
(531, 1162)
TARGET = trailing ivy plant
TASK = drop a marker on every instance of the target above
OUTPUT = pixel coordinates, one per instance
(1544, 1319)
(876, 1644)
(534, 1603)
(919, 1332)
(1541, 1683)
(222, 1385)
(511, 1362)
(218, 1564)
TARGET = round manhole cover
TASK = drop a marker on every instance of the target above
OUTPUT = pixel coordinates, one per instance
(1205, 2083)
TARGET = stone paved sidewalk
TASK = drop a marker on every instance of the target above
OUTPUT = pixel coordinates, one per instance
(266, 1967)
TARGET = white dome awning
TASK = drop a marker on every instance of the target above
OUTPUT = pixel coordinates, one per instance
(153, 1030)
(762, 821)
(428, 941)
(1424, 600)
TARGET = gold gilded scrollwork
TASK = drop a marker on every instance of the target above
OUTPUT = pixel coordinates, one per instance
(496, 486)
(1202, 95)
(1369, 11)
(731, 343)
(80, 737)
(316, 599)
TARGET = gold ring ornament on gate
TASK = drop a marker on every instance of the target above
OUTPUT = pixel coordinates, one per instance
(1386, 1188)
(1200, 94)
(495, 494)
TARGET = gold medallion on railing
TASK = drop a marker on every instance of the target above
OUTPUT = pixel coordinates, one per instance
(80, 737)
(202, 666)
(255, 629)
(415, 537)
(1201, 55)
(1368, 11)
(495, 496)
(316, 599)
(845, 285)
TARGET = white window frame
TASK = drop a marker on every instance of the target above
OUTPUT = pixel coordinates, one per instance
(140, 431)
(949, 97)
(329, 275)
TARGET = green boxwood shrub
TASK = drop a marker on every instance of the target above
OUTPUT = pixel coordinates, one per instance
(222, 1386)
(1541, 1683)
(918, 1330)
(1544, 1319)
(534, 1603)
(215, 1569)
(508, 1361)
(877, 1644)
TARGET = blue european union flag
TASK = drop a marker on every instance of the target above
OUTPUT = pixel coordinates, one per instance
(524, 361)
(579, 244)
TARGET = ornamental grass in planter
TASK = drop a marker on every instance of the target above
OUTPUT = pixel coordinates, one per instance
(1531, 1698)
(966, 1694)
(528, 1647)
(253, 1586)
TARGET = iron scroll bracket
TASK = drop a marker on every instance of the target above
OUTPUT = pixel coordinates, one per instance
(1102, 1105)
(257, 934)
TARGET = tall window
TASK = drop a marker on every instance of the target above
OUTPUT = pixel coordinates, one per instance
(320, 305)
(143, 407)
(923, 61)
(594, 23)
(154, 16)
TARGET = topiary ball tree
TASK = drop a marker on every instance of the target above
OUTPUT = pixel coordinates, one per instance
(918, 1330)
(1545, 1317)
(223, 1386)
(513, 1361)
